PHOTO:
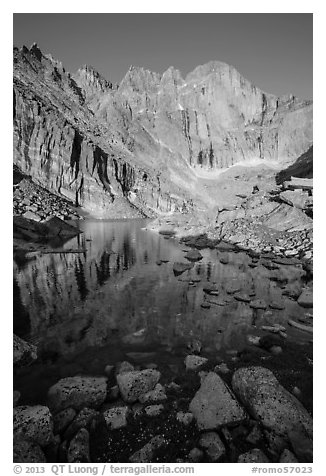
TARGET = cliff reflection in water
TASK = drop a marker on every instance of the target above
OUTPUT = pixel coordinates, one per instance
(68, 302)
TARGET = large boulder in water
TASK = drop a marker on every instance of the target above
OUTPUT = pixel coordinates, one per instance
(134, 384)
(33, 423)
(214, 405)
(270, 403)
(77, 392)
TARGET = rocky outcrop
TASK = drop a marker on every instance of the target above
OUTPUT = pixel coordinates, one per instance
(138, 147)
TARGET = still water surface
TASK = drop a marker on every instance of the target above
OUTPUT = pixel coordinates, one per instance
(91, 309)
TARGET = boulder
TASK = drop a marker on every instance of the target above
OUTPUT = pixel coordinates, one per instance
(116, 417)
(134, 384)
(146, 453)
(78, 451)
(124, 367)
(32, 216)
(288, 457)
(242, 297)
(185, 418)
(77, 392)
(33, 422)
(27, 451)
(210, 288)
(179, 268)
(24, 353)
(153, 410)
(82, 420)
(221, 368)
(62, 419)
(306, 298)
(269, 402)
(195, 455)
(194, 362)
(194, 255)
(269, 340)
(258, 304)
(278, 305)
(213, 445)
(214, 405)
(156, 395)
(253, 456)
(255, 435)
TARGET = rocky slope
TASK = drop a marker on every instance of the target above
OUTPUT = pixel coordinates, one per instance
(151, 144)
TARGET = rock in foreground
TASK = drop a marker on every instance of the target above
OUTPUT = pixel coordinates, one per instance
(269, 402)
(34, 423)
(134, 384)
(77, 392)
(214, 405)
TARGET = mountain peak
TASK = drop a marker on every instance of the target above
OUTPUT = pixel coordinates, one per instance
(91, 80)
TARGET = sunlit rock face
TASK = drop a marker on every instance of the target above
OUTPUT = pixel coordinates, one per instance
(137, 148)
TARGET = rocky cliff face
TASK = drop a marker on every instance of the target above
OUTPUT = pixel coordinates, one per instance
(142, 147)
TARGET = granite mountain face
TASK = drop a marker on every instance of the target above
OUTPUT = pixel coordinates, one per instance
(150, 144)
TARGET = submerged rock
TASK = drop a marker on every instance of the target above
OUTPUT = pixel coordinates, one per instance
(179, 268)
(34, 423)
(77, 392)
(306, 298)
(214, 405)
(269, 402)
(134, 384)
(194, 255)
(258, 304)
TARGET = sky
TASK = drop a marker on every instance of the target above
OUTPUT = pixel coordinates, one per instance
(273, 50)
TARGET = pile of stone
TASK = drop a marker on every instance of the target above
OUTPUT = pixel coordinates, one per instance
(34, 202)
(256, 407)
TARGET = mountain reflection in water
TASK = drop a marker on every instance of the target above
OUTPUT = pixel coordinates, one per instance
(67, 303)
